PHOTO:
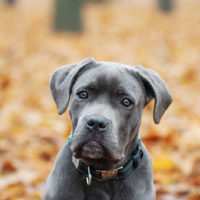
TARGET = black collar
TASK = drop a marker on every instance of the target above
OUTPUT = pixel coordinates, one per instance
(116, 174)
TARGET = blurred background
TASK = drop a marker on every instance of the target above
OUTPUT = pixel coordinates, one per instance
(38, 36)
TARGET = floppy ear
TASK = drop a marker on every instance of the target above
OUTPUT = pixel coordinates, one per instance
(62, 80)
(156, 88)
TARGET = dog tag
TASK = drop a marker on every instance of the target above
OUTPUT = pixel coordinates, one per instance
(89, 177)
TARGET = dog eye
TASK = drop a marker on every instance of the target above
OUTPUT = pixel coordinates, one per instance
(127, 102)
(83, 95)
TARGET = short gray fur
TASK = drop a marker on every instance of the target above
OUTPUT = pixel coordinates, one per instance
(106, 84)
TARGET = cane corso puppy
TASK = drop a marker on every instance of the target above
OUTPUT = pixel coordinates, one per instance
(104, 159)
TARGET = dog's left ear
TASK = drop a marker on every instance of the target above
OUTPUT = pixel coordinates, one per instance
(155, 87)
(62, 80)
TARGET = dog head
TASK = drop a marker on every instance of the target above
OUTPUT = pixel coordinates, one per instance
(106, 100)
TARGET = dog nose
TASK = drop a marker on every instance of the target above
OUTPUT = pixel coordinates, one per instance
(97, 123)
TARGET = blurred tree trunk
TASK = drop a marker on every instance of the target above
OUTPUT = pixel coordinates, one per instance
(68, 15)
(10, 1)
(166, 5)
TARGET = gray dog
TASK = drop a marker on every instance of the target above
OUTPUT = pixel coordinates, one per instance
(104, 159)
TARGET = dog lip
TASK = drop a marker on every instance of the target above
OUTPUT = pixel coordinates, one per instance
(92, 150)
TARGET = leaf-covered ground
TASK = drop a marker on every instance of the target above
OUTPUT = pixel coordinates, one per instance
(31, 132)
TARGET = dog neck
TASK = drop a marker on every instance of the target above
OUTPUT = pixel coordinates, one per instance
(115, 174)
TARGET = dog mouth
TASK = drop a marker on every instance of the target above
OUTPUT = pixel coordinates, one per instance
(95, 152)
(90, 150)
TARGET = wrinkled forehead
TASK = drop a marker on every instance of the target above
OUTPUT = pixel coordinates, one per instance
(109, 77)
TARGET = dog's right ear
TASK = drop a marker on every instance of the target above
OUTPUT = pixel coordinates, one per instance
(62, 80)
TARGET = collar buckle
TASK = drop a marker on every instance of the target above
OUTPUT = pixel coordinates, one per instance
(106, 175)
